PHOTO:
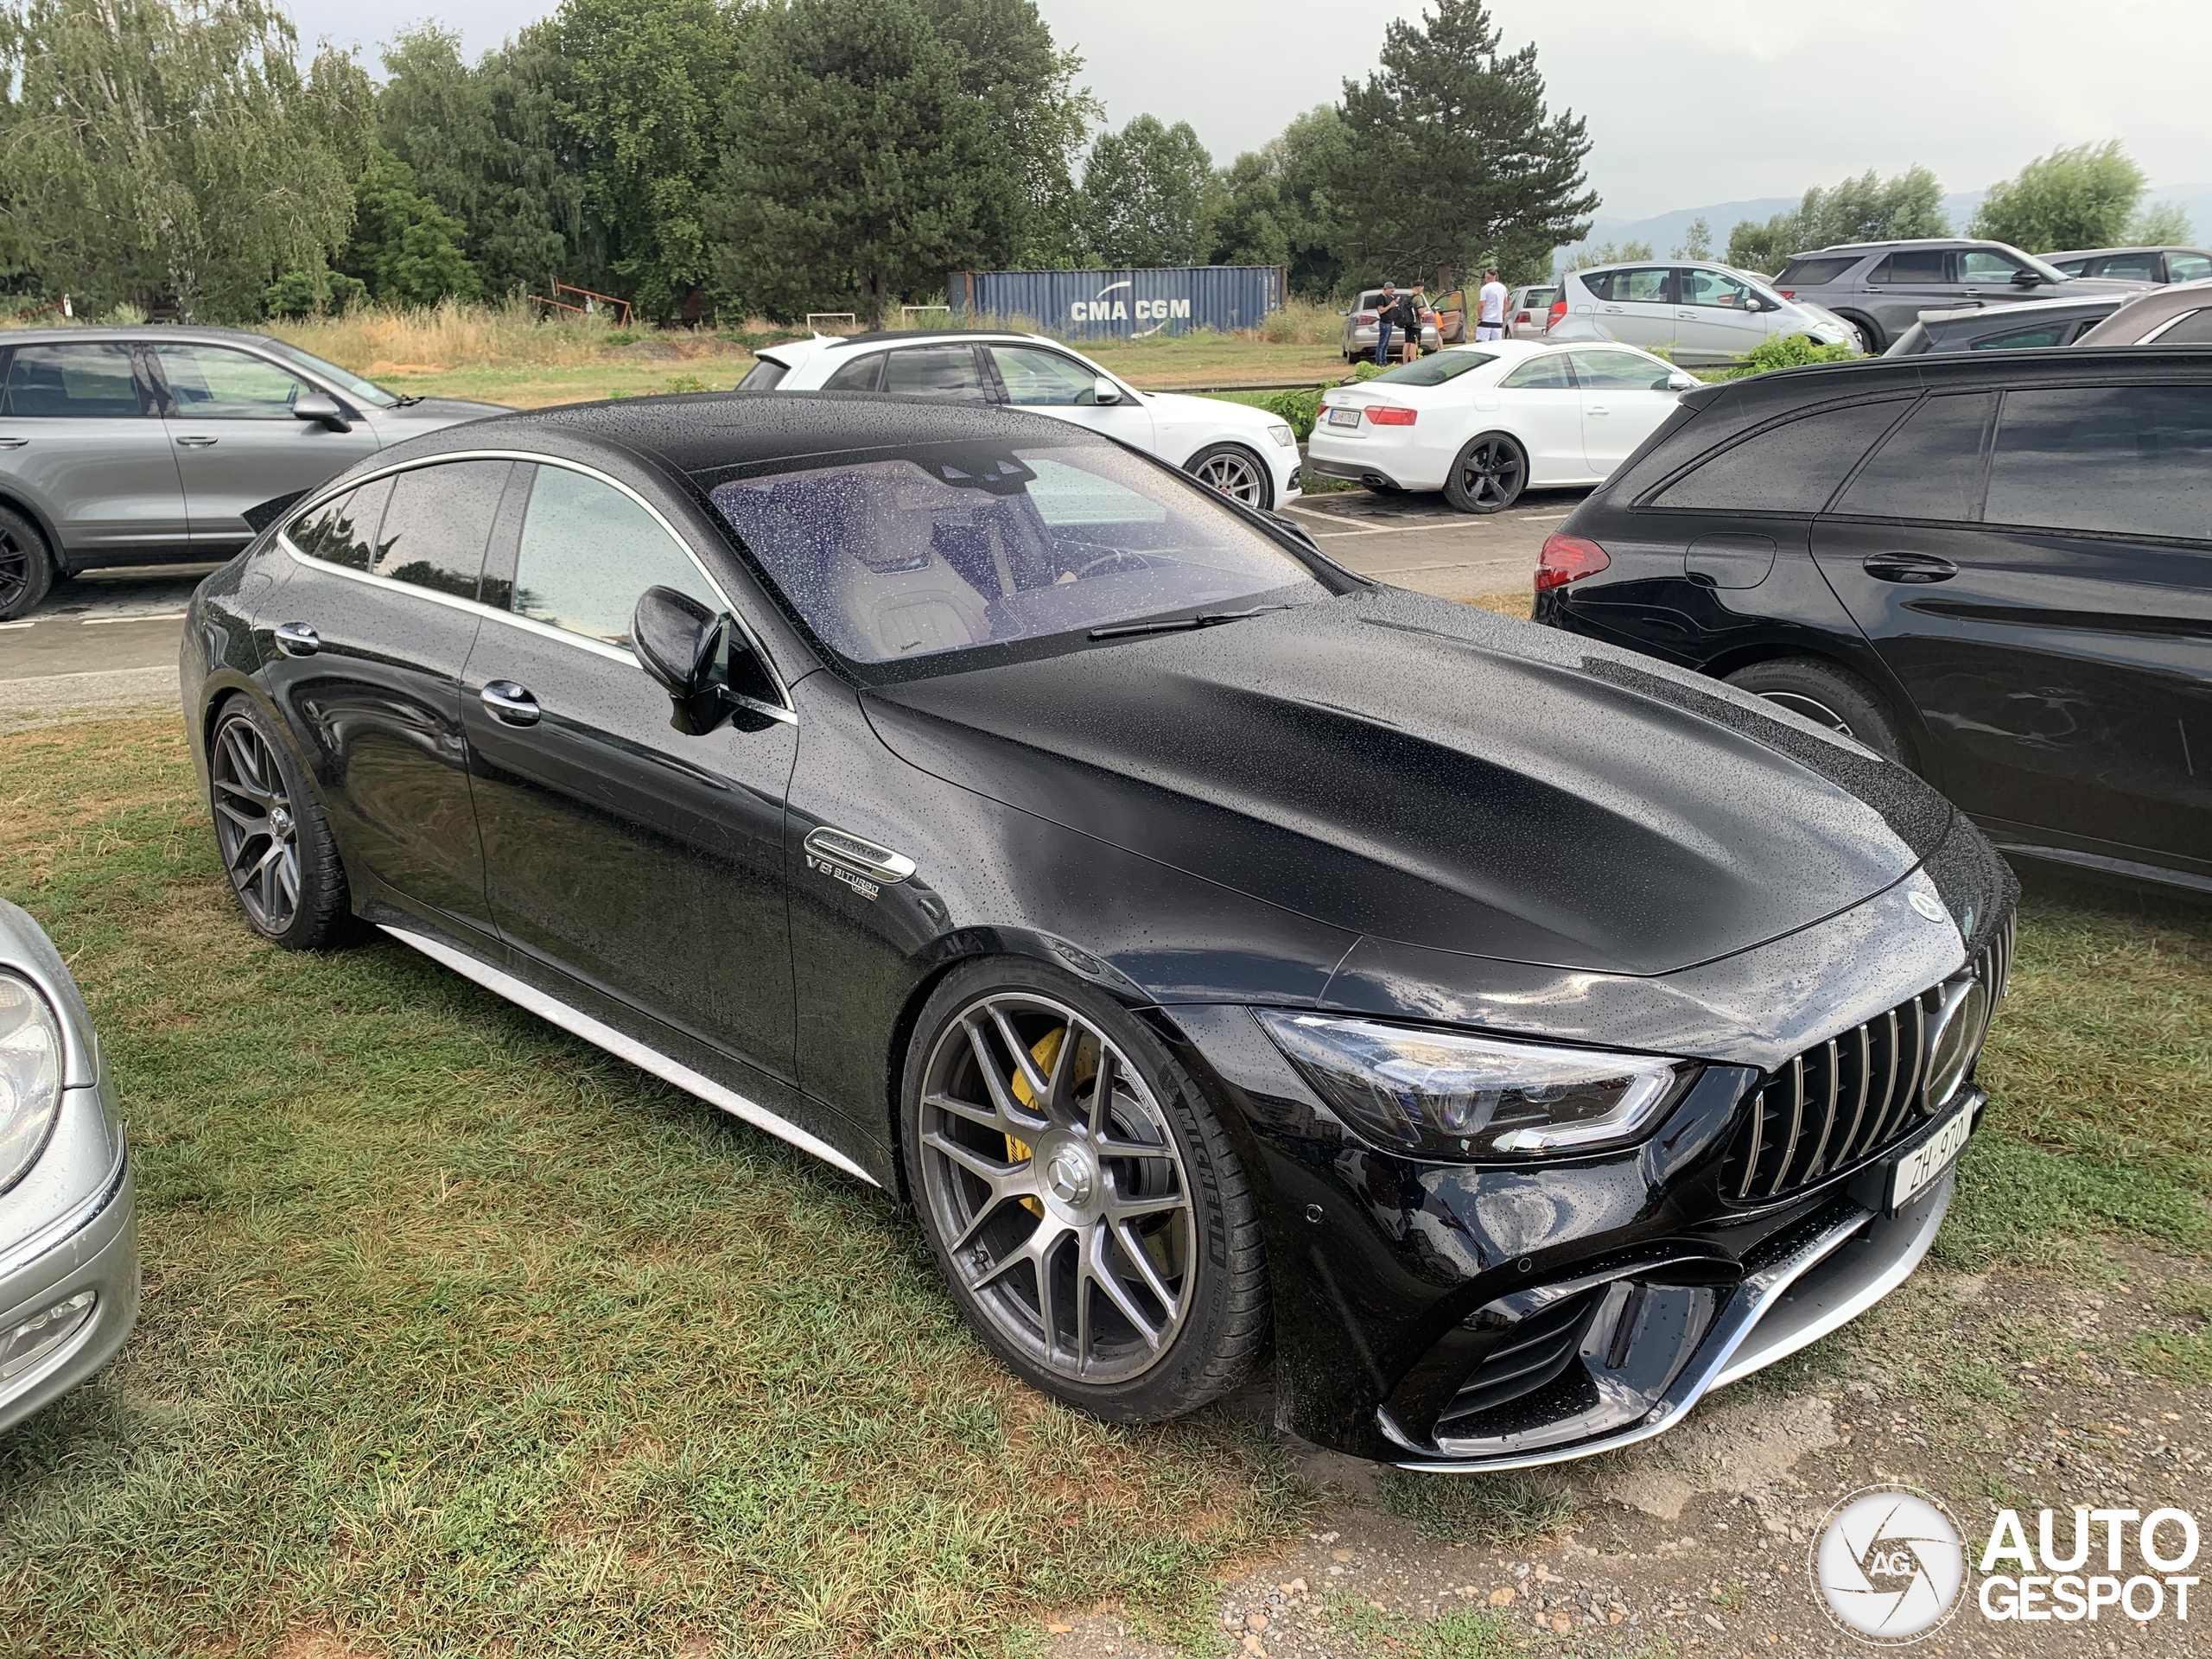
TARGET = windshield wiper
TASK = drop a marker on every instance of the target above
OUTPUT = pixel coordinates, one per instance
(1180, 623)
(405, 402)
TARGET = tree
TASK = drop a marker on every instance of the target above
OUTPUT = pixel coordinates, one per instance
(489, 145)
(1697, 242)
(2163, 224)
(1275, 208)
(406, 248)
(1605, 253)
(1452, 159)
(1150, 197)
(1868, 208)
(1036, 119)
(857, 171)
(153, 154)
(2077, 198)
(642, 95)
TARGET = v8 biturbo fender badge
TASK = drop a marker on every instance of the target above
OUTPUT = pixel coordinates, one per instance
(865, 866)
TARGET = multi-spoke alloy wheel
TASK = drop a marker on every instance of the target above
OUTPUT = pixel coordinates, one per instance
(1056, 1184)
(25, 571)
(1488, 476)
(255, 826)
(1235, 473)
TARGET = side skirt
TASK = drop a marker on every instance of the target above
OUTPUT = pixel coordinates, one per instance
(578, 1024)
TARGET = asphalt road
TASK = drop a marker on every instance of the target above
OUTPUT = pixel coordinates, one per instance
(109, 638)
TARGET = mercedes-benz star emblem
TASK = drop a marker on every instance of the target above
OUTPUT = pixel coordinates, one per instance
(1928, 907)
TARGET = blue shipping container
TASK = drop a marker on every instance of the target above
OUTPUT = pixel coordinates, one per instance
(1123, 304)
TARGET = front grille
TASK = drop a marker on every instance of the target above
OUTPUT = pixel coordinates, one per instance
(1842, 1100)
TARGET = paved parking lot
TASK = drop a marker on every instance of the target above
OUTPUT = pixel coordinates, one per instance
(109, 638)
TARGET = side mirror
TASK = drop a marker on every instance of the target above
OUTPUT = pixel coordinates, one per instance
(321, 406)
(1679, 381)
(1103, 390)
(2027, 279)
(709, 669)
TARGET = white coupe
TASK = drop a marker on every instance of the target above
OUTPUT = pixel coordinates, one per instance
(1241, 451)
(1483, 422)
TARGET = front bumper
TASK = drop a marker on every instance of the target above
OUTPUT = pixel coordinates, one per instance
(89, 1250)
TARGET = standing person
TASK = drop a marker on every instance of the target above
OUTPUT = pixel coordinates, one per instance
(1386, 319)
(1492, 322)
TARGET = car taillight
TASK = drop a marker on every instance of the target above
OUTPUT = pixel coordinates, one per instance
(1386, 414)
(1787, 293)
(1364, 318)
(1567, 558)
(1558, 310)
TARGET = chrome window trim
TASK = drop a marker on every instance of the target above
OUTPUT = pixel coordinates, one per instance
(784, 711)
(577, 1023)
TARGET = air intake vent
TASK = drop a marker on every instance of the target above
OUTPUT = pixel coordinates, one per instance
(1842, 1101)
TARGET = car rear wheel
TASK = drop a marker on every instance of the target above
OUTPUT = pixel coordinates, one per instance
(1236, 471)
(1488, 475)
(276, 844)
(1827, 696)
(1081, 1200)
(26, 569)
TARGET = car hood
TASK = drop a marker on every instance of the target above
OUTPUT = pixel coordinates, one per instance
(434, 412)
(1425, 773)
(1216, 411)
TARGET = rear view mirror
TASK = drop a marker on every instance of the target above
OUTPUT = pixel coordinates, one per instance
(323, 407)
(2027, 279)
(1679, 381)
(1105, 391)
(710, 670)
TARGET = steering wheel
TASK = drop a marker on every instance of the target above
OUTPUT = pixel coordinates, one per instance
(1120, 559)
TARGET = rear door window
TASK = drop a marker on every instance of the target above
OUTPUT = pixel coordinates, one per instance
(2129, 461)
(93, 381)
(948, 372)
(1931, 467)
(437, 524)
(1789, 468)
(2044, 334)
(2131, 267)
(1643, 286)
(1913, 265)
(865, 374)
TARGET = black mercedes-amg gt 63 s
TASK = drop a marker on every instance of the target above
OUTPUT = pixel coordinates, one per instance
(1217, 950)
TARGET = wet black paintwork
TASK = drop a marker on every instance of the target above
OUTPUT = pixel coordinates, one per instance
(2058, 686)
(1384, 803)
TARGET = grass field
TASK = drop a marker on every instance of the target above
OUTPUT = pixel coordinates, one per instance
(461, 1337)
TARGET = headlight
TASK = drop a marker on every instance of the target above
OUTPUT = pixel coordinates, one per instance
(1444, 1094)
(30, 1075)
(1282, 435)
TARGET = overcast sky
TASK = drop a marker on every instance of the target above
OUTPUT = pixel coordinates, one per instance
(1721, 100)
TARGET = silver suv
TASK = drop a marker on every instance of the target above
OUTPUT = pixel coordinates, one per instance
(1693, 313)
(146, 446)
(1881, 288)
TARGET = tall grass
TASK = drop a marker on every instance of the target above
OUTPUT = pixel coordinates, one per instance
(382, 340)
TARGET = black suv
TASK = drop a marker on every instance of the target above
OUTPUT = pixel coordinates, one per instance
(1881, 288)
(1995, 568)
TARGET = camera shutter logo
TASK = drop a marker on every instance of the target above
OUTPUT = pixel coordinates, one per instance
(1889, 1563)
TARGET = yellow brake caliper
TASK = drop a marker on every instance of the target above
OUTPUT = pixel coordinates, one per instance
(1045, 1051)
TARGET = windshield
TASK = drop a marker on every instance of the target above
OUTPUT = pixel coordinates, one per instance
(367, 390)
(1433, 370)
(962, 546)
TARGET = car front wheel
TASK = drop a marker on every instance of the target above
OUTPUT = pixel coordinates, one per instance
(1084, 1206)
(1488, 475)
(1236, 471)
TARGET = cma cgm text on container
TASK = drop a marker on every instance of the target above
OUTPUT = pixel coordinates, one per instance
(1122, 304)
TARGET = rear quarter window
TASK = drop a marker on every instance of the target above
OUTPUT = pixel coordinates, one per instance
(1812, 273)
(1793, 467)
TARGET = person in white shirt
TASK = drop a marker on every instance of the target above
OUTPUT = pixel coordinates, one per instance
(1490, 319)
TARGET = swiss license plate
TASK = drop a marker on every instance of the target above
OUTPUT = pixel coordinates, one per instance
(1344, 417)
(1927, 1161)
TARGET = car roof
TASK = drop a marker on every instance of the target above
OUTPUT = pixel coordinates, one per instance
(144, 331)
(718, 432)
(2144, 247)
(808, 348)
(1821, 382)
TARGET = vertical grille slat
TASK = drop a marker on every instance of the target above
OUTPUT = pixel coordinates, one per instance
(1843, 1100)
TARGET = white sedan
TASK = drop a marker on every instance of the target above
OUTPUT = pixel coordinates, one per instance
(1483, 422)
(1241, 451)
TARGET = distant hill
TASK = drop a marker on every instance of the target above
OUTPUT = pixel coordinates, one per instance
(1665, 232)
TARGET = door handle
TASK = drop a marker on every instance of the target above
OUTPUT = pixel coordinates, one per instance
(1909, 567)
(297, 640)
(1596, 409)
(13, 443)
(510, 703)
(196, 442)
